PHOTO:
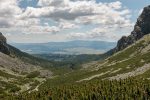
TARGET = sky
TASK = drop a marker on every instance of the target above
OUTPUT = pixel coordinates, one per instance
(39, 21)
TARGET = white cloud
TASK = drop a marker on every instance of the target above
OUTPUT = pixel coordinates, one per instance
(96, 34)
(67, 25)
(68, 14)
(8, 11)
(42, 29)
(115, 5)
(52, 2)
(105, 33)
(85, 11)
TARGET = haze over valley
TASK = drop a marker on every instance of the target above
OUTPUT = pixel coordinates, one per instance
(71, 47)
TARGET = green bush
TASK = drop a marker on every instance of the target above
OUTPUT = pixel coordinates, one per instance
(33, 74)
(15, 89)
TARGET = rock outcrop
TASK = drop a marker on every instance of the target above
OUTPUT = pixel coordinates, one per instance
(3, 45)
(141, 28)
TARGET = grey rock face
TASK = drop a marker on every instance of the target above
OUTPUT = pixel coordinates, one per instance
(141, 28)
(3, 45)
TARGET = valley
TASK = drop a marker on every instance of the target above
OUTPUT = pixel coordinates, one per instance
(78, 70)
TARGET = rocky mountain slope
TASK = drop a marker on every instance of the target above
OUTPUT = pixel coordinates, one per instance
(131, 62)
(18, 70)
(3, 45)
(141, 28)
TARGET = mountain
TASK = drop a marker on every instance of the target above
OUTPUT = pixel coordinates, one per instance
(141, 28)
(3, 46)
(16, 53)
(70, 47)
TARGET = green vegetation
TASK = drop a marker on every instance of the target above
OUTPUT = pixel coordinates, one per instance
(8, 87)
(6, 75)
(128, 89)
(15, 89)
(33, 74)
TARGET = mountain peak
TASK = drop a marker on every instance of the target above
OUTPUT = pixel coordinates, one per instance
(3, 45)
(2, 38)
(141, 28)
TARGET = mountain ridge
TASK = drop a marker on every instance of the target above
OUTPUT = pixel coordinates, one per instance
(141, 28)
(70, 47)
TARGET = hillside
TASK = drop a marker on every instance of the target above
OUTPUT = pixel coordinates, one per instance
(19, 71)
(16, 75)
(132, 61)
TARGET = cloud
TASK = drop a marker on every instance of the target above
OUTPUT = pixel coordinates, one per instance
(83, 11)
(10, 20)
(66, 11)
(52, 2)
(95, 34)
(68, 14)
(67, 25)
(105, 33)
(42, 29)
(115, 5)
(8, 11)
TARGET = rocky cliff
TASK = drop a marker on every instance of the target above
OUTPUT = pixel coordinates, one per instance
(3, 45)
(141, 28)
